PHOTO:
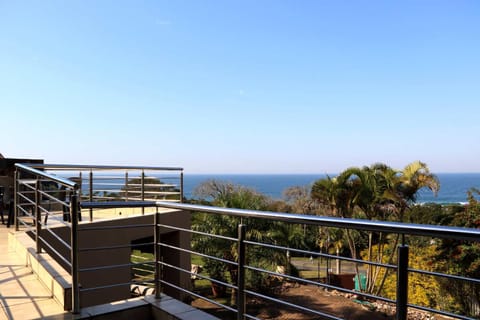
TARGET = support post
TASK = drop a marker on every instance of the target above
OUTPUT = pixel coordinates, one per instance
(402, 283)
(181, 186)
(74, 206)
(15, 198)
(241, 306)
(38, 216)
(90, 193)
(143, 190)
(158, 266)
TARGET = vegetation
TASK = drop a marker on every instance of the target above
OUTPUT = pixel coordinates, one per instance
(376, 192)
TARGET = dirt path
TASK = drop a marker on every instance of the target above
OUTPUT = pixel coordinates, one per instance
(311, 296)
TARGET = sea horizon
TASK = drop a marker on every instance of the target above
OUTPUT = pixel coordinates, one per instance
(453, 186)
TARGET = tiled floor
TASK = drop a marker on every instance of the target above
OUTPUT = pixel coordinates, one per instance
(22, 296)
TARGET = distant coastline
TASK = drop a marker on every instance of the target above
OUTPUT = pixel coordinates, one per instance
(453, 186)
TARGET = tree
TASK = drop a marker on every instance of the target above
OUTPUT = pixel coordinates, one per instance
(463, 257)
(228, 195)
(377, 192)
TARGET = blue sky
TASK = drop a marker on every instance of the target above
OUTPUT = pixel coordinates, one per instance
(242, 86)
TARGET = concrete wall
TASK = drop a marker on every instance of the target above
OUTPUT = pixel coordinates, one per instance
(118, 235)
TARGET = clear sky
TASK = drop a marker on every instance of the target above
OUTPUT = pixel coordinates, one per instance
(242, 86)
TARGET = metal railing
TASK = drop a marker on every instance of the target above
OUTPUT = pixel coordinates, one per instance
(35, 202)
(49, 198)
(243, 244)
(115, 183)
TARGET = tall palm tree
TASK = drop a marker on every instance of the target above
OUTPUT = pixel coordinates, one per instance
(379, 192)
(414, 177)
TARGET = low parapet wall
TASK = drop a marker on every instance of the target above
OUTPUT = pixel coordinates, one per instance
(101, 236)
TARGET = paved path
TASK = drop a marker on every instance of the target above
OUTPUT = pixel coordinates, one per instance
(22, 296)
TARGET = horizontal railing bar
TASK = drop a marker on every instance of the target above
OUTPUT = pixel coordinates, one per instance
(25, 212)
(319, 284)
(345, 223)
(158, 185)
(100, 167)
(24, 223)
(440, 312)
(28, 184)
(116, 247)
(318, 254)
(114, 227)
(444, 275)
(29, 201)
(117, 204)
(296, 306)
(218, 304)
(67, 262)
(111, 286)
(199, 254)
(65, 244)
(154, 192)
(33, 169)
(228, 285)
(115, 266)
(198, 232)
(52, 198)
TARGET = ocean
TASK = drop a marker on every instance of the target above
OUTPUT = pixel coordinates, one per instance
(453, 186)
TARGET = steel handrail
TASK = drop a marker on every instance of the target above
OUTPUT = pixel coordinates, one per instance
(460, 233)
(100, 167)
(44, 174)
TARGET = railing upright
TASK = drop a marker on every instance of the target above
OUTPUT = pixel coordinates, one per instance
(156, 238)
(38, 216)
(241, 302)
(15, 198)
(181, 186)
(74, 207)
(90, 193)
(143, 189)
(402, 283)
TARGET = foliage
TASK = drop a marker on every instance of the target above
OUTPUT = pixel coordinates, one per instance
(377, 192)
(232, 196)
(463, 257)
(423, 290)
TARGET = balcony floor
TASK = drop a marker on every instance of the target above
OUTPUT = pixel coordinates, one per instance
(22, 295)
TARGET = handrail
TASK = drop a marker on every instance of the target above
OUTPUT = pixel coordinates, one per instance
(468, 234)
(31, 169)
(117, 204)
(100, 167)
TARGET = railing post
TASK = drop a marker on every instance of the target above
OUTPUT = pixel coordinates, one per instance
(402, 283)
(143, 189)
(181, 186)
(90, 193)
(156, 237)
(74, 206)
(15, 198)
(241, 307)
(38, 217)
(126, 186)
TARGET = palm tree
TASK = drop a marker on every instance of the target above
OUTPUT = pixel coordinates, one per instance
(411, 179)
(379, 192)
(338, 195)
(228, 195)
(402, 193)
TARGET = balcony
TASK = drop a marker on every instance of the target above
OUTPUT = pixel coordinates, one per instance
(90, 219)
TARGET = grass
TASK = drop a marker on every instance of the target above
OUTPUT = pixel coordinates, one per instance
(142, 272)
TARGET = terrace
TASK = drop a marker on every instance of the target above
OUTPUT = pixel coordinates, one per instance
(77, 226)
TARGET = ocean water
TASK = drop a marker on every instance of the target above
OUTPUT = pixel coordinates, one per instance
(453, 186)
